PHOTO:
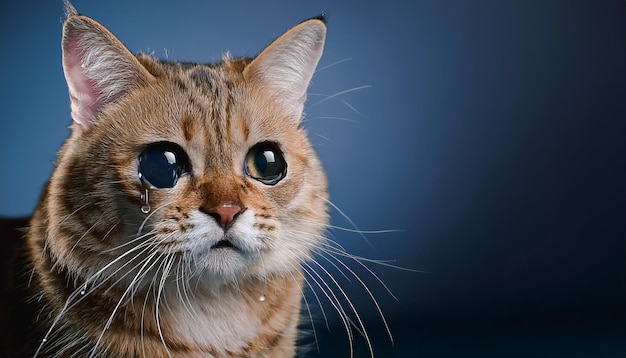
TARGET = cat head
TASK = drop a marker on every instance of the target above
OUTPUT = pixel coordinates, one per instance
(202, 167)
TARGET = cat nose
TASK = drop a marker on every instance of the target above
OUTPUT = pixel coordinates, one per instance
(225, 213)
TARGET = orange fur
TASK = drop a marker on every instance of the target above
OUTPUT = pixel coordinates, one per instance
(117, 282)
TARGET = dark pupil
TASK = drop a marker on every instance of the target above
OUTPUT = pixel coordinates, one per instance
(160, 167)
(266, 164)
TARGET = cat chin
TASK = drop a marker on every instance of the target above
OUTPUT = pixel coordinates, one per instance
(223, 264)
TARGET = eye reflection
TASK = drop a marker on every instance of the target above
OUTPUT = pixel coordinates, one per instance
(161, 164)
(265, 163)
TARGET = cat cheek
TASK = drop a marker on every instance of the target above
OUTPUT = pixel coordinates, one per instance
(286, 192)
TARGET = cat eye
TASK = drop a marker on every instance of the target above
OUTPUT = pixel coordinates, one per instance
(265, 163)
(161, 164)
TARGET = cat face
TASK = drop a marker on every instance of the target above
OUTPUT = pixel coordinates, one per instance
(203, 168)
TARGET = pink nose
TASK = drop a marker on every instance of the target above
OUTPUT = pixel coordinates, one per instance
(225, 213)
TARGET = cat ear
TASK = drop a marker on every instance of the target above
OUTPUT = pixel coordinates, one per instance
(98, 67)
(286, 66)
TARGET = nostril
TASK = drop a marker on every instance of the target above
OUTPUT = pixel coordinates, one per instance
(215, 216)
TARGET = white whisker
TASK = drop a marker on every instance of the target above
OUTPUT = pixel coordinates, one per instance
(129, 243)
(361, 325)
(323, 137)
(351, 107)
(97, 221)
(357, 230)
(138, 277)
(333, 64)
(369, 292)
(364, 232)
(165, 271)
(334, 95)
(333, 299)
(331, 117)
(150, 215)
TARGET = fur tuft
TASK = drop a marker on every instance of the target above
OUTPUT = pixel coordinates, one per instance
(70, 10)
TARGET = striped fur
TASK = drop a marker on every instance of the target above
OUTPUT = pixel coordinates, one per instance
(113, 281)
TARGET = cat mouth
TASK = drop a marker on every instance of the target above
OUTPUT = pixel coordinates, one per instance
(224, 244)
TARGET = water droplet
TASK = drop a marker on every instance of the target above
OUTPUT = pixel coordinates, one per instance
(82, 292)
(44, 340)
(262, 298)
(145, 208)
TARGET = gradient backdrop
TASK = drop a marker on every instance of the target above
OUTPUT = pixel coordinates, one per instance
(490, 133)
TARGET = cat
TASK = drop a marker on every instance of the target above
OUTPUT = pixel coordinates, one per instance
(181, 208)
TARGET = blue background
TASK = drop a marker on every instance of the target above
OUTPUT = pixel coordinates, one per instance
(490, 133)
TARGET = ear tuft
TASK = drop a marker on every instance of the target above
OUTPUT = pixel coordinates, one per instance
(286, 66)
(98, 68)
(69, 9)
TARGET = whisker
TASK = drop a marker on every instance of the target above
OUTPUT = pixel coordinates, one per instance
(308, 309)
(131, 242)
(139, 275)
(306, 302)
(128, 271)
(317, 298)
(357, 230)
(95, 276)
(351, 107)
(109, 231)
(352, 307)
(334, 301)
(369, 292)
(165, 271)
(335, 247)
(71, 297)
(182, 290)
(334, 95)
(333, 64)
(45, 244)
(365, 232)
(362, 259)
(97, 221)
(150, 215)
(323, 137)
(142, 248)
(330, 117)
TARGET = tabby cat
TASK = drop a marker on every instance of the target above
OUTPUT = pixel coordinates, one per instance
(181, 208)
